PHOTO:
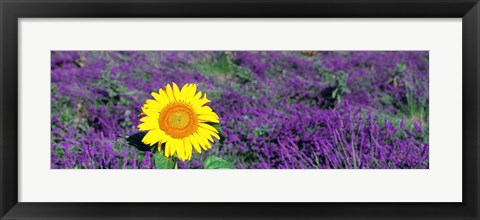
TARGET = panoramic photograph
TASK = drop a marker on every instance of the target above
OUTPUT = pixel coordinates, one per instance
(239, 110)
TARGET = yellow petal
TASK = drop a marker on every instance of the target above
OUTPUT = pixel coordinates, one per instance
(195, 101)
(148, 126)
(163, 135)
(148, 119)
(197, 96)
(153, 104)
(209, 133)
(150, 112)
(204, 110)
(202, 141)
(184, 91)
(169, 93)
(205, 133)
(180, 148)
(199, 103)
(208, 127)
(204, 100)
(188, 148)
(195, 144)
(191, 91)
(208, 118)
(208, 145)
(169, 149)
(159, 146)
(156, 96)
(164, 96)
(152, 137)
(176, 92)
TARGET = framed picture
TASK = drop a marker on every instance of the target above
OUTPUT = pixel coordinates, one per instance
(239, 110)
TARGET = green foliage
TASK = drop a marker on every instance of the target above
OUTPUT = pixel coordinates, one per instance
(409, 123)
(59, 151)
(260, 130)
(163, 162)
(339, 87)
(114, 88)
(146, 76)
(223, 66)
(398, 74)
(413, 107)
(66, 116)
(217, 163)
(244, 74)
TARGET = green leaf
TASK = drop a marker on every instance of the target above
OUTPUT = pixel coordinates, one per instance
(334, 93)
(162, 162)
(217, 163)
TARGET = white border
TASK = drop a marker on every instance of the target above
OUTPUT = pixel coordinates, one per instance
(441, 183)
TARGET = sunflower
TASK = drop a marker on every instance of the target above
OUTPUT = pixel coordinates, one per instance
(180, 119)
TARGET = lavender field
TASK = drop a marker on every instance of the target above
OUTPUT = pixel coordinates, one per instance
(276, 109)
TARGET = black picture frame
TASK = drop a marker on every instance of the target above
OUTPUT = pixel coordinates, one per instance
(12, 10)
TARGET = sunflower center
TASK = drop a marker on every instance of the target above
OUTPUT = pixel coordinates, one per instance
(178, 120)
